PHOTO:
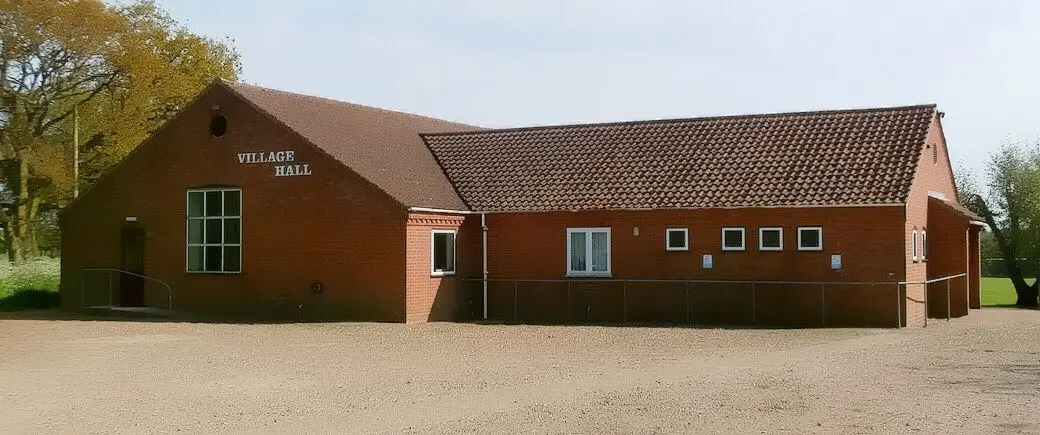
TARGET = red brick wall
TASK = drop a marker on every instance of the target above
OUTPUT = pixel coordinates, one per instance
(432, 298)
(948, 255)
(332, 226)
(532, 246)
(933, 175)
(974, 267)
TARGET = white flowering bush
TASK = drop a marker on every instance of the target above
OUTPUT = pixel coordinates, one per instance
(33, 284)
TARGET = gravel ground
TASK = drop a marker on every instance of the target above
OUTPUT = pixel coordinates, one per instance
(979, 374)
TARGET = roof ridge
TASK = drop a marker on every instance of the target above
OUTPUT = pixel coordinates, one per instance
(347, 103)
(932, 106)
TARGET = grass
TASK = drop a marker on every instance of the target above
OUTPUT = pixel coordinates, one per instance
(997, 292)
(33, 285)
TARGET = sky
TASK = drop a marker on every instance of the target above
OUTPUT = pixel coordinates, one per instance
(532, 62)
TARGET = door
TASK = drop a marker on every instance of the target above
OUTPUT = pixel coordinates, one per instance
(131, 288)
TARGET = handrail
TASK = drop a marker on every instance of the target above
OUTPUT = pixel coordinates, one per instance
(901, 298)
(169, 291)
(702, 281)
(934, 280)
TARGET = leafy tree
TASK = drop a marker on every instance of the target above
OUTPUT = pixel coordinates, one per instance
(124, 70)
(1012, 211)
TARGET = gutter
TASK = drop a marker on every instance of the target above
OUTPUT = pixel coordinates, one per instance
(438, 210)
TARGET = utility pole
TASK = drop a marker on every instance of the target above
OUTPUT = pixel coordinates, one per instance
(75, 151)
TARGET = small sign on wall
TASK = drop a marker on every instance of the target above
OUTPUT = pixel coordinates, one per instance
(706, 261)
(836, 261)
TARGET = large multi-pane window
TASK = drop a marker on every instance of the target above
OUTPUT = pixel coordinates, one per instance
(214, 230)
(588, 251)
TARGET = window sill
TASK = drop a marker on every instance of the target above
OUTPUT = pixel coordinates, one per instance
(810, 249)
(687, 249)
(211, 272)
(770, 249)
(441, 274)
(732, 249)
(588, 275)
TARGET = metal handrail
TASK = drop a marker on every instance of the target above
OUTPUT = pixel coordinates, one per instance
(692, 281)
(169, 291)
(934, 280)
(900, 298)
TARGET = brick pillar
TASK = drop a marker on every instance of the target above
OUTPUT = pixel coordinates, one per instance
(974, 267)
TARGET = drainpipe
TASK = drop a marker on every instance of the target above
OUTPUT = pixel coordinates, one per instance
(483, 226)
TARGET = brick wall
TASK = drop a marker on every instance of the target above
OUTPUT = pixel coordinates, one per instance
(532, 246)
(933, 175)
(948, 255)
(432, 298)
(332, 226)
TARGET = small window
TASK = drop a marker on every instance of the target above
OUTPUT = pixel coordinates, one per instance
(810, 238)
(771, 239)
(677, 239)
(588, 251)
(442, 253)
(924, 244)
(913, 245)
(218, 126)
(733, 239)
(214, 233)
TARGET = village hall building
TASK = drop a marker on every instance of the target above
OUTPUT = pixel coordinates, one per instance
(264, 204)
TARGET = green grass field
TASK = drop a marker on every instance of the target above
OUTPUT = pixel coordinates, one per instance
(33, 285)
(997, 291)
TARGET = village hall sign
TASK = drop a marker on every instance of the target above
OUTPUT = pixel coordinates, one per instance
(285, 165)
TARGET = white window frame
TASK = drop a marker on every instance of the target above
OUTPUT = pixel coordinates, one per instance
(913, 245)
(204, 245)
(924, 244)
(667, 239)
(433, 252)
(762, 247)
(588, 252)
(802, 247)
(743, 239)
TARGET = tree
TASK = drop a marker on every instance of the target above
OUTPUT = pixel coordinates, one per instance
(123, 69)
(1012, 211)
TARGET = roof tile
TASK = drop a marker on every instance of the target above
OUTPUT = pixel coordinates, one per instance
(865, 156)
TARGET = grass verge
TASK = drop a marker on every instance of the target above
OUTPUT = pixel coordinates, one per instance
(29, 286)
(997, 292)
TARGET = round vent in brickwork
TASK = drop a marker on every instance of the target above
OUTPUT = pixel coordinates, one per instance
(218, 126)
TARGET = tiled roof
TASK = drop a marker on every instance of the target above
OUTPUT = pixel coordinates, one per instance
(849, 157)
(382, 146)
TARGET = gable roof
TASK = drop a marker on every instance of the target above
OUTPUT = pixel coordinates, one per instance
(382, 146)
(825, 158)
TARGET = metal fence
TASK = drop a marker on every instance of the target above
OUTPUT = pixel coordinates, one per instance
(754, 303)
(99, 287)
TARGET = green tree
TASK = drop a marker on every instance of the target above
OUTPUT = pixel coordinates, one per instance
(124, 70)
(1012, 211)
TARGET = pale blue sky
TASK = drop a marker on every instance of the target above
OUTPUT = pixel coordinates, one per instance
(517, 63)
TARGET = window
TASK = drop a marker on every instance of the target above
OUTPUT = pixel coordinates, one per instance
(588, 251)
(214, 230)
(442, 253)
(733, 239)
(771, 239)
(810, 239)
(677, 239)
(913, 244)
(924, 244)
(218, 126)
